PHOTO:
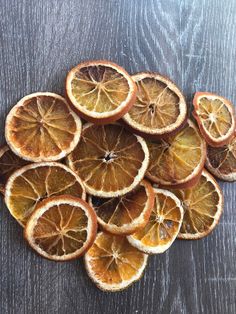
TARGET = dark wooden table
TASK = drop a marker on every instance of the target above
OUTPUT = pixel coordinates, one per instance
(192, 42)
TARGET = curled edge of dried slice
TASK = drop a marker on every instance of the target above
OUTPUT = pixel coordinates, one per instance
(192, 179)
(138, 222)
(156, 133)
(223, 140)
(104, 117)
(45, 205)
(20, 171)
(160, 248)
(114, 287)
(63, 153)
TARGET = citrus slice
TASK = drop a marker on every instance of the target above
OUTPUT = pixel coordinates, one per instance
(178, 160)
(215, 117)
(34, 182)
(163, 225)
(221, 161)
(42, 127)
(203, 206)
(9, 162)
(109, 160)
(100, 90)
(125, 214)
(61, 228)
(160, 108)
(112, 263)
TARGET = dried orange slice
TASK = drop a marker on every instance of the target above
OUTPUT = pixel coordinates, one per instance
(9, 162)
(112, 263)
(160, 108)
(221, 161)
(203, 206)
(215, 117)
(61, 228)
(100, 90)
(163, 225)
(125, 214)
(34, 182)
(109, 160)
(42, 127)
(178, 160)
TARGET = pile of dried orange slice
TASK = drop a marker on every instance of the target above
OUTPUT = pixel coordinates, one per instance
(134, 170)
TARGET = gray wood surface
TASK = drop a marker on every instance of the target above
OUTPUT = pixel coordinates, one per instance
(192, 42)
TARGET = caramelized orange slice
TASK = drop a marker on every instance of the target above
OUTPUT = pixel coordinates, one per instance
(221, 161)
(109, 160)
(163, 225)
(215, 117)
(160, 108)
(29, 185)
(100, 90)
(113, 264)
(203, 206)
(125, 214)
(42, 127)
(178, 160)
(61, 228)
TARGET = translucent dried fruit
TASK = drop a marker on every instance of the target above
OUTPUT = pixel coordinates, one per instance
(61, 228)
(125, 214)
(112, 263)
(203, 206)
(221, 161)
(178, 160)
(31, 184)
(215, 117)
(160, 108)
(100, 90)
(163, 225)
(109, 160)
(42, 127)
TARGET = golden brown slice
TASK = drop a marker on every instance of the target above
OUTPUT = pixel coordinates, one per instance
(203, 206)
(160, 108)
(163, 225)
(179, 160)
(31, 184)
(125, 214)
(42, 127)
(100, 90)
(109, 160)
(9, 162)
(221, 161)
(215, 117)
(113, 264)
(61, 228)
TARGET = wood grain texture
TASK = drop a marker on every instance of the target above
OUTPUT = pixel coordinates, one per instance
(192, 42)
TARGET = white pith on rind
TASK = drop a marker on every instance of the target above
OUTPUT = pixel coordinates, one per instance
(32, 222)
(22, 170)
(95, 114)
(182, 106)
(63, 153)
(123, 191)
(159, 248)
(113, 287)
